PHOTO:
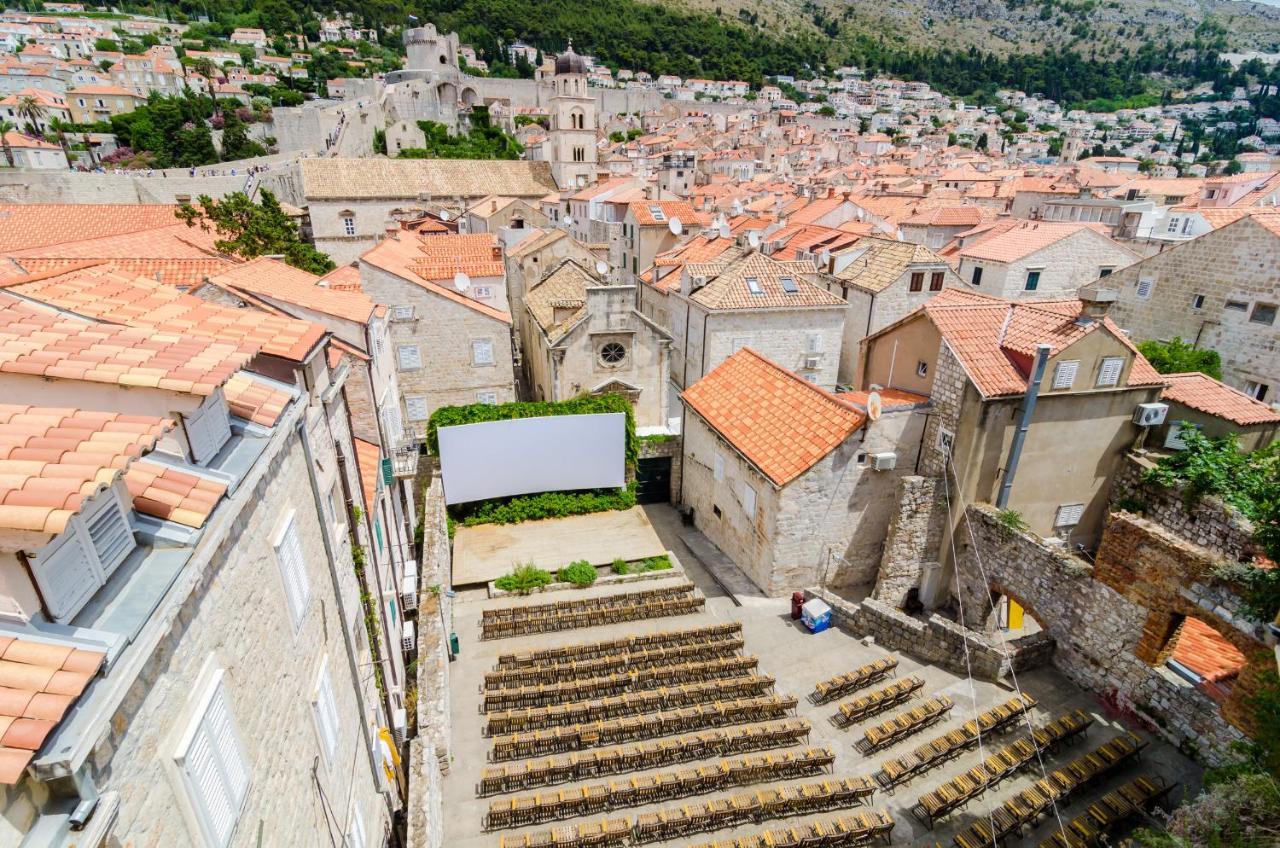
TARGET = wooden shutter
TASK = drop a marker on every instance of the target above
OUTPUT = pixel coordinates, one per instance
(1064, 376)
(293, 571)
(326, 710)
(410, 357)
(67, 573)
(416, 407)
(208, 428)
(482, 352)
(109, 532)
(1109, 375)
(215, 769)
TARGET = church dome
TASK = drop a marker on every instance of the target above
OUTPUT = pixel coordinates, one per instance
(569, 62)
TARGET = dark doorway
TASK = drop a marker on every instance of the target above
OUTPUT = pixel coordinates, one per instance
(653, 480)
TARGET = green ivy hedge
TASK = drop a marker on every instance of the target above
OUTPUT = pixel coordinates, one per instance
(520, 508)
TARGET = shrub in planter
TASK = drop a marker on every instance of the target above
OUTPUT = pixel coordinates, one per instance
(523, 579)
(621, 566)
(656, 563)
(580, 573)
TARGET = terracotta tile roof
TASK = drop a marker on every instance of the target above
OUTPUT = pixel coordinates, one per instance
(40, 342)
(1009, 243)
(780, 422)
(39, 682)
(368, 461)
(880, 262)
(1201, 649)
(1205, 394)
(174, 495)
(278, 281)
(52, 458)
(354, 179)
(729, 287)
(642, 210)
(345, 278)
(890, 398)
(175, 241)
(994, 339)
(563, 288)
(403, 257)
(440, 257)
(172, 272)
(950, 216)
(254, 400)
(145, 303)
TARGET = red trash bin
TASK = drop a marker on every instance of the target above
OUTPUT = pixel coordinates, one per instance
(797, 602)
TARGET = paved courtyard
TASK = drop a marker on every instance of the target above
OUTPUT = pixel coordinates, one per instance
(797, 660)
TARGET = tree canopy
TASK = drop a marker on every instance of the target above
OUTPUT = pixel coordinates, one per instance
(248, 230)
(1177, 356)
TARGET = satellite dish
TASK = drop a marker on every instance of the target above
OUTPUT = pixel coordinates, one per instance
(461, 281)
(874, 406)
(675, 226)
(602, 267)
(568, 221)
(444, 215)
(724, 230)
(737, 207)
(753, 239)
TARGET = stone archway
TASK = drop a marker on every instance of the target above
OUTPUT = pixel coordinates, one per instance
(447, 94)
(470, 97)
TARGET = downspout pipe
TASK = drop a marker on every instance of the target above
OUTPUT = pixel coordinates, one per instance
(1024, 424)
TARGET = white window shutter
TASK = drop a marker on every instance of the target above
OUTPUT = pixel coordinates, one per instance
(215, 769)
(416, 407)
(293, 571)
(110, 535)
(355, 832)
(208, 428)
(1145, 287)
(67, 573)
(482, 352)
(410, 357)
(1109, 373)
(1069, 515)
(749, 500)
(326, 709)
(1064, 376)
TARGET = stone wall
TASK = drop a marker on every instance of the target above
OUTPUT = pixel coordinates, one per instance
(429, 751)
(938, 640)
(1111, 620)
(1208, 522)
(913, 538)
(670, 446)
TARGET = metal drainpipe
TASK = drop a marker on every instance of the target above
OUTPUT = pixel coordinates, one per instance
(330, 558)
(1024, 424)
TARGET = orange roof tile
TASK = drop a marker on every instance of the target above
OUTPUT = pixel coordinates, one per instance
(40, 342)
(1011, 241)
(39, 681)
(642, 210)
(730, 288)
(1202, 392)
(1201, 649)
(368, 460)
(404, 257)
(168, 493)
(52, 458)
(780, 422)
(276, 280)
(254, 400)
(890, 398)
(140, 302)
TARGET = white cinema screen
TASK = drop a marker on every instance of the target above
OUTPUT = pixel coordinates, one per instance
(554, 453)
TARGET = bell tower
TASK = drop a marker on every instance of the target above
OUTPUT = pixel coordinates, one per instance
(573, 123)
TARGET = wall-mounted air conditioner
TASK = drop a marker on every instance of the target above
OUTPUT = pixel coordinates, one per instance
(884, 461)
(409, 593)
(408, 637)
(813, 361)
(1150, 414)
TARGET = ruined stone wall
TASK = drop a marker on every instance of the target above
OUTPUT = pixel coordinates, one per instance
(915, 532)
(429, 751)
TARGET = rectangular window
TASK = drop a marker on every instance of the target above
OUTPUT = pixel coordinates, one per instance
(976, 279)
(1173, 225)
(1109, 373)
(1068, 515)
(1145, 287)
(917, 281)
(1197, 302)
(483, 292)
(402, 313)
(482, 352)
(409, 356)
(1237, 306)
(490, 398)
(1104, 272)
(936, 280)
(355, 830)
(416, 408)
(1263, 313)
(215, 771)
(718, 467)
(1255, 390)
(1033, 281)
(349, 226)
(753, 285)
(1064, 376)
(749, 500)
(293, 570)
(946, 439)
(325, 711)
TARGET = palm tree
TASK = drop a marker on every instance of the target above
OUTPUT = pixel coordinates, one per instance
(88, 146)
(32, 111)
(7, 127)
(205, 68)
(59, 127)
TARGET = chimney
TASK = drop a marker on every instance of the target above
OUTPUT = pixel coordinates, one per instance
(497, 253)
(1095, 302)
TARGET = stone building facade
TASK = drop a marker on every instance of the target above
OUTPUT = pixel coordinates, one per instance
(1220, 292)
(1059, 268)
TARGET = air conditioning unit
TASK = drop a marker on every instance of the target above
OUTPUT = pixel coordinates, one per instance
(884, 461)
(813, 361)
(399, 725)
(1150, 414)
(409, 594)
(408, 637)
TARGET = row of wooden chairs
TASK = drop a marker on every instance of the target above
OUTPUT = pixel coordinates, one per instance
(951, 744)
(876, 702)
(905, 724)
(518, 746)
(647, 755)
(843, 684)
(574, 619)
(632, 703)
(598, 834)
(565, 672)
(857, 829)
(523, 810)
(1026, 808)
(624, 645)
(1091, 828)
(1004, 763)
(617, 684)
(599, 602)
(771, 803)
